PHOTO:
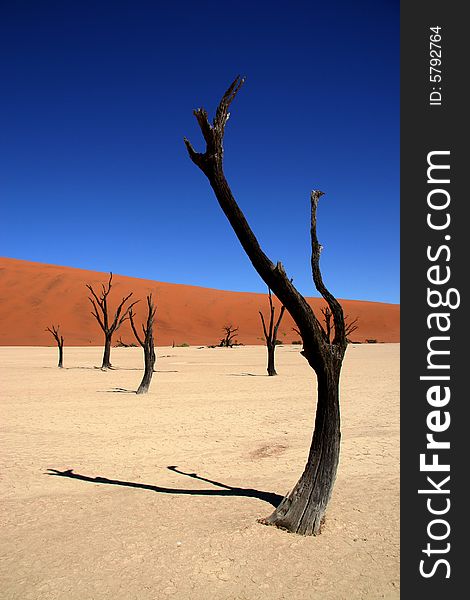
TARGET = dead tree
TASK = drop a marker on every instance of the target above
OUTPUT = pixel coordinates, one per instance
(349, 326)
(228, 340)
(147, 344)
(303, 509)
(327, 316)
(270, 334)
(120, 343)
(60, 343)
(101, 313)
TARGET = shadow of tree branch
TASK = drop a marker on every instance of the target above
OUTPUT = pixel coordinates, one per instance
(270, 497)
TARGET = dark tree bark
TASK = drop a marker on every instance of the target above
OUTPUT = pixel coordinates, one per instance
(60, 343)
(302, 511)
(270, 334)
(327, 316)
(101, 313)
(147, 344)
(228, 340)
(107, 352)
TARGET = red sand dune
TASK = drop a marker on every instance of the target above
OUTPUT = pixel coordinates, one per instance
(34, 296)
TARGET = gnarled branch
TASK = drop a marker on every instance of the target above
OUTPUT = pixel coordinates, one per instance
(147, 329)
(333, 304)
(56, 334)
(210, 162)
(100, 307)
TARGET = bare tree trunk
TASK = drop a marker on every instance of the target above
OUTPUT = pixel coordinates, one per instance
(149, 361)
(147, 344)
(271, 368)
(303, 510)
(60, 343)
(107, 353)
(101, 313)
(270, 333)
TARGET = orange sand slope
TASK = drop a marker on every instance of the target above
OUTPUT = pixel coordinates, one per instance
(34, 296)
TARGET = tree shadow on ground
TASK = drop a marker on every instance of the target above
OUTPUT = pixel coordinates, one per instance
(246, 375)
(71, 368)
(121, 369)
(227, 490)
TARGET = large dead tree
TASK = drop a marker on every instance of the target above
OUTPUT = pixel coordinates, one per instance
(60, 343)
(303, 509)
(147, 344)
(270, 333)
(101, 313)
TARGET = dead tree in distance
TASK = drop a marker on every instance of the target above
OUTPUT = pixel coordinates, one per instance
(101, 313)
(120, 343)
(303, 509)
(230, 332)
(60, 343)
(147, 344)
(270, 334)
(349, 326)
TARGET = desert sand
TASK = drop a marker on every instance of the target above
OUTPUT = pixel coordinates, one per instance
(35, 296)
(119, 523)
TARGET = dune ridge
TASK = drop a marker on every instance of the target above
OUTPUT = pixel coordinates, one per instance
(35, 295)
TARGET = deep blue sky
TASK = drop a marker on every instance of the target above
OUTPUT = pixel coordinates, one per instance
(96, 97)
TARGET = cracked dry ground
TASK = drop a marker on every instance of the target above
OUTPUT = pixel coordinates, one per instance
(91, 510)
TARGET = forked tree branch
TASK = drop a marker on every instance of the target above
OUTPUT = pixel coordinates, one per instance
(264, 326)
(327, 316)
(276, 327)
(271, 315)
(96, 314)
(271, 335)
(334, 305)
(134, 329)
(211, 163)
(55, 332)
(230, 333)
(118, 319)
(100, 308)
(148, 328)
(350, 327)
